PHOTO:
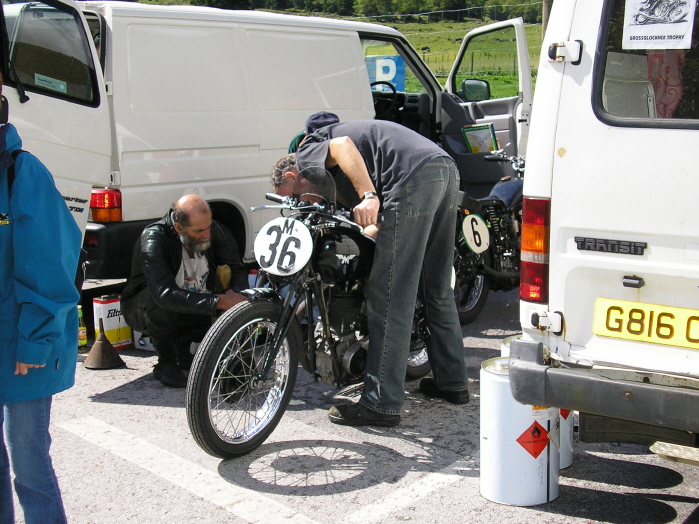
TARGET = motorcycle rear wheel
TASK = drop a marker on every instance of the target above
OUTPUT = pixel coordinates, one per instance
(228, 414)
(472, 286)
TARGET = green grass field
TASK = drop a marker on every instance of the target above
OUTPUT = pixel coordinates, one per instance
(493, 58)
(444, 38)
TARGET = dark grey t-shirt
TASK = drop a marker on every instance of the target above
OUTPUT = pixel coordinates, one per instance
(391, 152)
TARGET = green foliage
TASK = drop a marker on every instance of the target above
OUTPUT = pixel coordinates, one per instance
(373, 7)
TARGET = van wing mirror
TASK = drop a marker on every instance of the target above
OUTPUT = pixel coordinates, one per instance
(473, 90)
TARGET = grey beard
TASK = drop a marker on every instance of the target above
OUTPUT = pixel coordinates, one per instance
(194, 245)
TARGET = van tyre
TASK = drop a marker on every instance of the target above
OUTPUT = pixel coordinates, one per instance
(228, 414)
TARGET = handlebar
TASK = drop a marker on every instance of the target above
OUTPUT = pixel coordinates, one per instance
(500, 156)
(290, 203)
(276, 198)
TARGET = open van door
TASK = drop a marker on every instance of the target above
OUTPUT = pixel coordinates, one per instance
(489, 84)
(54, 94)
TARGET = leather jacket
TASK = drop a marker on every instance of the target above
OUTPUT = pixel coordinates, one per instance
(157, 258)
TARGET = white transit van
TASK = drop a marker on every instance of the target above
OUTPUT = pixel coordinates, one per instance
(610, 241)
(139, 104)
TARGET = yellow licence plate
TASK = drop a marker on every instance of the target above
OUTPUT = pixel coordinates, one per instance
(647, 323)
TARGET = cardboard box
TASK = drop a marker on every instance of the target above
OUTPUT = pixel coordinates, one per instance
(108, 308)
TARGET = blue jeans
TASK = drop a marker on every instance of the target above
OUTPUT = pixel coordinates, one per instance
(26, 437)
(414, 248)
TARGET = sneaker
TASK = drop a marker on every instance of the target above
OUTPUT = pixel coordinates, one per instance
(429, 388)
(170, 375)
(358, 415)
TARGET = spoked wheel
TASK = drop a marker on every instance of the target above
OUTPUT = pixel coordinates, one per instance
(418, 362)
(472, 286)
(229, 409)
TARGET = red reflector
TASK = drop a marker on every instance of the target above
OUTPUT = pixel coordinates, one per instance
(91, 239)
(105, 198)
(536, 211)
(534, 282)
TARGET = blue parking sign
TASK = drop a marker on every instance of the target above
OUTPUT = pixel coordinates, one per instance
(387, 69)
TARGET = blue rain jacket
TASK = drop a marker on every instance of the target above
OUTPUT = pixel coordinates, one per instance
(39, 246)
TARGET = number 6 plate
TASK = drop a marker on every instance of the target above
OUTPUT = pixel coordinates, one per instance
(476, 233)
(283, 246)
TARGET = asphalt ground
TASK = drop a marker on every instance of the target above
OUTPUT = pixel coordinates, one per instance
(123, 454)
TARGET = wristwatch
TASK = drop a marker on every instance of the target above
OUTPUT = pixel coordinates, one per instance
(370, 194)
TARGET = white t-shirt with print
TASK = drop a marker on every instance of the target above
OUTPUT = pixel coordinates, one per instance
(193, 273)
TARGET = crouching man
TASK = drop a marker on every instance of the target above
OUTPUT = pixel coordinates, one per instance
(184, 269)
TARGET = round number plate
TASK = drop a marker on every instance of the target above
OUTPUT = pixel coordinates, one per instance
(476, 233)
(283, 246)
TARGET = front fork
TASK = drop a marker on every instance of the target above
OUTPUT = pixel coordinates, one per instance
(290, 306)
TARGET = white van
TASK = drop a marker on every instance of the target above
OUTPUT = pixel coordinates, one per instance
(141, 104)
(610, 242)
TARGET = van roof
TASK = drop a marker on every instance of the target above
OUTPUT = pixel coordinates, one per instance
(212, 13)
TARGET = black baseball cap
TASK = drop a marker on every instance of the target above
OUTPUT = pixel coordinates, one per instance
(320, 119)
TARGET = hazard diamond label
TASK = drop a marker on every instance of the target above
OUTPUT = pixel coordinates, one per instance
(534, 440)
(565, 413)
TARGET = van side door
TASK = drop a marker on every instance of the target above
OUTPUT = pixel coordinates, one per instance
(489, 84)
(56, 98)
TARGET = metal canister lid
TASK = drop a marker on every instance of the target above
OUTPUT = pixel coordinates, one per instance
(497, 366)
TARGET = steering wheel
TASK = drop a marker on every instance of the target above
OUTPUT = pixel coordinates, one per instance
(389, 102)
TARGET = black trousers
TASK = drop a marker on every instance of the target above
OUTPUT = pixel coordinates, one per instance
(172, 333)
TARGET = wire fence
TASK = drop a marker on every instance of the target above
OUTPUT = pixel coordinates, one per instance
(531, 12)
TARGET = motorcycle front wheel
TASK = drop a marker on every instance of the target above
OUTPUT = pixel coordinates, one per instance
(231, 411)
(472, 286)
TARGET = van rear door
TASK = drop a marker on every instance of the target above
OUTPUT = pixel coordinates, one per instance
(625, 244)
(489, 84)
(56, 98)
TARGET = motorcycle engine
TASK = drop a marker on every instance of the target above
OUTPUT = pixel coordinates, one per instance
(344, 259)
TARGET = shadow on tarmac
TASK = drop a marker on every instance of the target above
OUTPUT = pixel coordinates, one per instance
(319, 467)
(615, 508)
(312, 467)
(143, 391)
(619, 508)
(593, 468)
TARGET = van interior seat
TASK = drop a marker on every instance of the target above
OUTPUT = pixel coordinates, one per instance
(626, 90)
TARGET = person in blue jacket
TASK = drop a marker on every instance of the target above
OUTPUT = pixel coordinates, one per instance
(39, 246)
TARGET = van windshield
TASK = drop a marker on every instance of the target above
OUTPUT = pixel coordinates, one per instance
(49, 53)
(651, 67)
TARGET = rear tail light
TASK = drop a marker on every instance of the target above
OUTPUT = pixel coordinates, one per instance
(105, 205)
(92, 239)
(534, 274)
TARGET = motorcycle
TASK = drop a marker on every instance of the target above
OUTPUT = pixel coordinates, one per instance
(662, 12)
(310, 308)
(487, 254)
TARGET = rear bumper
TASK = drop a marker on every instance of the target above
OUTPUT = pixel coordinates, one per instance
(533, 381)
(110, 248)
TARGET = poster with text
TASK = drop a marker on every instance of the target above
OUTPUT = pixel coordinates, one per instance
(658, 24)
